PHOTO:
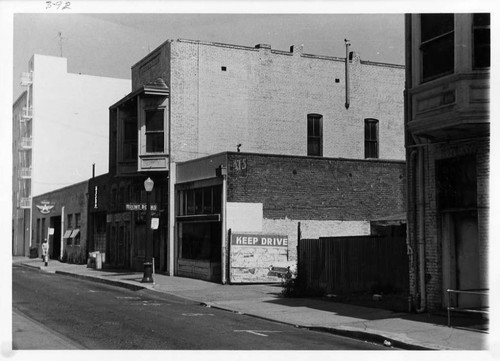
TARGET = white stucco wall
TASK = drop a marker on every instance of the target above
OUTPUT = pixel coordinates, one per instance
(70, 123)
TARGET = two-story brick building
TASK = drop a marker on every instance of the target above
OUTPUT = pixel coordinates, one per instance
(193, 99)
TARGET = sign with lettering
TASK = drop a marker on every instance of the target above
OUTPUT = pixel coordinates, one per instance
(259, 240)
(138, 207)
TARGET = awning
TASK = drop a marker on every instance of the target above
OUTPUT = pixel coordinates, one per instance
(67, 234)
(75, 233)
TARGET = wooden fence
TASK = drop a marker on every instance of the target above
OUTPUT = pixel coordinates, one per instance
(341, 265)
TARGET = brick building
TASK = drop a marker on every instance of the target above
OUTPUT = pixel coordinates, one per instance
(65, 211)
(193, 99)
(447, 140)
(268, 196)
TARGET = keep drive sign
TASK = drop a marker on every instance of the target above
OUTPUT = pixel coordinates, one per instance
(259, 240)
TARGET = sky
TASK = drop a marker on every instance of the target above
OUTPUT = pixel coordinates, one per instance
(109, 44)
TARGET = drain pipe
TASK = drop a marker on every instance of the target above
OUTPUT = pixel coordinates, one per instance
(421, 229)
(411, 232)
(347, 92)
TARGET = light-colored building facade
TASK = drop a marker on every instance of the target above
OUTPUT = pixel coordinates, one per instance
(193, 99)
(60, 130)
(447, 140)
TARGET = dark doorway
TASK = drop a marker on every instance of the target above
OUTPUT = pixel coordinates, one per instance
(55, 241)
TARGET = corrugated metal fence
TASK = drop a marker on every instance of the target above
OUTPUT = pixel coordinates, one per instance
(354, 264)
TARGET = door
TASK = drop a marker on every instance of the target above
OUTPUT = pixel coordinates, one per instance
(467, 257)
(55, 251)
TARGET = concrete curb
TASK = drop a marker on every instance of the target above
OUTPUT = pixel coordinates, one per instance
(354, 334)
(105, 281)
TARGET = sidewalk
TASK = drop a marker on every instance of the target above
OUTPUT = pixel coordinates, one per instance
(401, 330)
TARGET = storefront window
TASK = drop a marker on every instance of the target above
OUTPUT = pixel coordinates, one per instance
(201, 241)
(206, 200)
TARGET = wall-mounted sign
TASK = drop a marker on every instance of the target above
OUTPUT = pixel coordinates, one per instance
(138, 207)
(259, 240)
(95, 197)
(45, 207)
(155, 222)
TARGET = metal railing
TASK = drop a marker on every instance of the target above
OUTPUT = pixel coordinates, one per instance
(25, 172)
(27, 112)
(26, 142)
(26, 78)
(479, 292)
(25, 203)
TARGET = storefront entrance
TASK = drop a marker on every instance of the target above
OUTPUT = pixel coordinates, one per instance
(200, 250)
(55, 239)
(457, 201)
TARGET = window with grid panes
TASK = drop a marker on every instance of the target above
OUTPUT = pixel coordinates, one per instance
(154, 131)
(437, 43)
(314, 135)
(371, 138)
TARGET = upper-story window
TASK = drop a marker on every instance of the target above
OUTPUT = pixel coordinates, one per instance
(78, 219)
(481, 40)
(314, 135)
(437, 40)
(154, 131)
(129, 139)
(371, 138)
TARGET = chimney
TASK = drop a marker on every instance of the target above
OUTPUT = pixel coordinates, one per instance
(297, 49)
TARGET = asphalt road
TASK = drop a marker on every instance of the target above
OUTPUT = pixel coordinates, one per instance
(101, 317)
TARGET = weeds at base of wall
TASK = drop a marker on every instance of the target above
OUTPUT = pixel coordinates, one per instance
(291, 287)
(74, 258)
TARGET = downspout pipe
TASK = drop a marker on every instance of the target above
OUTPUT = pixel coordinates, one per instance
(421, 229)
(347, 90)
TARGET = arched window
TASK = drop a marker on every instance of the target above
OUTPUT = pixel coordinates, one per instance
(371, 138)
(315, 135)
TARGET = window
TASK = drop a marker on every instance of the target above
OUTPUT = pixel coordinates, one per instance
(437, 45)
(314, 135)
(129, 139)
(481, 38)
(206, 200)
(70, 221)
(77, 220)
(154, 131)
(371, 138)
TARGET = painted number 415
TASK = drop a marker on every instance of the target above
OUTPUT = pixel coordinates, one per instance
(240, 164)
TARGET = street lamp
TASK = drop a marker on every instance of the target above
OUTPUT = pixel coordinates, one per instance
(148, 266)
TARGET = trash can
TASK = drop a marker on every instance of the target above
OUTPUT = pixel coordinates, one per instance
(34, 252)
(98, 260)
